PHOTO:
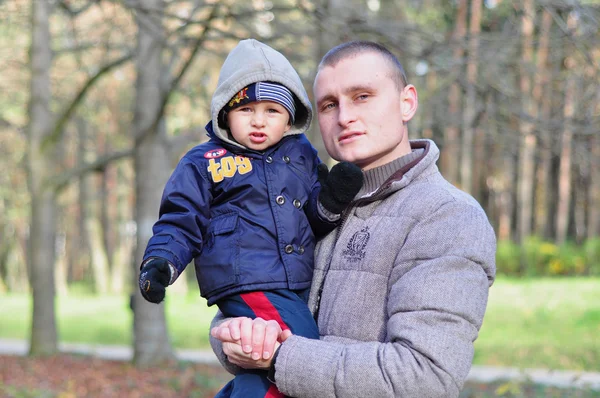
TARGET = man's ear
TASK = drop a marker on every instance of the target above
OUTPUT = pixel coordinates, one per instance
(410, 102)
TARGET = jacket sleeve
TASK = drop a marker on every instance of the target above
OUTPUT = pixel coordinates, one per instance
(436, 305)
(217, 346)
(183, 217)
(321, 221)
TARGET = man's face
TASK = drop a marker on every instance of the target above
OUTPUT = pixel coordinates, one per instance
(362, 112)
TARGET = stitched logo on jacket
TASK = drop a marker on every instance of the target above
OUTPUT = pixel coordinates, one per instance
(228, 166)
(215, 153)
(355, 249)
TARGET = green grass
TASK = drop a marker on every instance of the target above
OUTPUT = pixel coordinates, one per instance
(108, 319)
(551, 323)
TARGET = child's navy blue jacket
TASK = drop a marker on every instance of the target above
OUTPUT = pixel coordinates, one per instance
(244, 217)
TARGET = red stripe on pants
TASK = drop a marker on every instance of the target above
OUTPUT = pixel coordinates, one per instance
(273, 392)
(263, 308)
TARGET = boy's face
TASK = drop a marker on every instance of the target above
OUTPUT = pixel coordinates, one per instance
(259, 125)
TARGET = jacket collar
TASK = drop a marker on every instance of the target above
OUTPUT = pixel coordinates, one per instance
(407, 172)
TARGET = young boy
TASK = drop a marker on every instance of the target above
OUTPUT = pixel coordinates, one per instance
(248, 205)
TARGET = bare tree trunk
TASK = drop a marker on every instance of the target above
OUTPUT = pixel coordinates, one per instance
(89, 194)
(151, 340)
(83, 259)
(428, 111)
(528, 138)
(123, 253)
(99, 259)
(469, 112)
(492, 176)
(580, 184)
(16, 273)
(108, 202)
(503, 166)
(60, 276)
(6, 243)
(506, 222)
(593, 190)
(565, 178)
(593, 228)
(481, 169)
(16, 277)
(450, 154)
(43, 207)
(121, 262)
(542, 100)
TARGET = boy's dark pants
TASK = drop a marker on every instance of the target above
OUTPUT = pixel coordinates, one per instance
(286, 307)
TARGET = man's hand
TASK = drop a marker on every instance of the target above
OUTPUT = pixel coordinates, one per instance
(250, 343)
(339, 186)
(154, 278)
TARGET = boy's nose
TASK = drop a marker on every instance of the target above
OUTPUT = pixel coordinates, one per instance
(258, 119)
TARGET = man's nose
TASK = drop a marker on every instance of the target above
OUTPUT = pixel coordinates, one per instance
(346, 114)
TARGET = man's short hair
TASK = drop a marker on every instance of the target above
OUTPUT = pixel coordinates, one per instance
(353, 48)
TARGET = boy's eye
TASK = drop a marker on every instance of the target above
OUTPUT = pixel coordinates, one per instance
(273, 110)
(244, 109)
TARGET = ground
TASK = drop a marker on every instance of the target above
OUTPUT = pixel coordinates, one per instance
(70, 376)
(73, 376)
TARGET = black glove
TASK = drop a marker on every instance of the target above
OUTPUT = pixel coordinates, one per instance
(154, 278)
(339, 186)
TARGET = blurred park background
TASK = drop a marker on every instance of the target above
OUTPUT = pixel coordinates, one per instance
(99, 99)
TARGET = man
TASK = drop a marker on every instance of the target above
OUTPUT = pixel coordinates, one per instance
(400, 288)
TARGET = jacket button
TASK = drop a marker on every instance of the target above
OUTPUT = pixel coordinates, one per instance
(280, 200)
(297, 204)
(286, 159)
(269, 159)
(301, 249)
(289, 249)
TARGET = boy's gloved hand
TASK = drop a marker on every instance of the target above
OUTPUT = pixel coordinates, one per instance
(339, 186)
(154, 278)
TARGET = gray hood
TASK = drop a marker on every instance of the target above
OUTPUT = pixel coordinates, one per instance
(252, 61)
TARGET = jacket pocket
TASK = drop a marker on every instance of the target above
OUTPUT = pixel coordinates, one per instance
(217, 266)
(224, 224)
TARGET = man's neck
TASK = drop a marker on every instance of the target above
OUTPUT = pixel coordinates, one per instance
(375, 177)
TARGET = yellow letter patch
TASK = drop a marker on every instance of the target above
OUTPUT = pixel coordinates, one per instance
(227, 167)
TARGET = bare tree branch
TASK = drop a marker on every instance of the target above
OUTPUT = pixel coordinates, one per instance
(570, 34)
(58, 183)
(72, 11)
(57, 132)
(175, 82)
(7, 124)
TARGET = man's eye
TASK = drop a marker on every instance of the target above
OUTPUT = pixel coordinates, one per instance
(328, 106)
(362, 97)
